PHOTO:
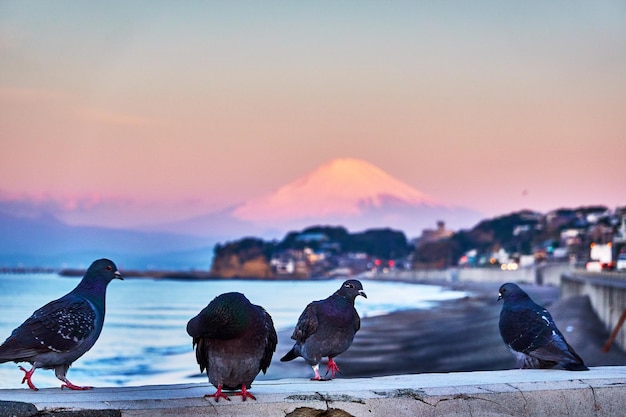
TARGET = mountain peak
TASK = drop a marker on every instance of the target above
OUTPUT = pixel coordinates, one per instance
(342, 187)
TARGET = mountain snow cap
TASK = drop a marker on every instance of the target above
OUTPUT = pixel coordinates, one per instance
(341, 187)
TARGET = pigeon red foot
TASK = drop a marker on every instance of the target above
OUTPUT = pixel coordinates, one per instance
(71, 386)
(332, 367)
(218, 394)
(245, 394)
(27, 377)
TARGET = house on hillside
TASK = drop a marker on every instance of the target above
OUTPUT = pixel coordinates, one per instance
(434, 235)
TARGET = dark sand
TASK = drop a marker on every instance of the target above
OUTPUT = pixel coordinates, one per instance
(456, 335)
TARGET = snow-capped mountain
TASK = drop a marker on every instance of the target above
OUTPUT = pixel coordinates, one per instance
(342, 187)
(347, 192)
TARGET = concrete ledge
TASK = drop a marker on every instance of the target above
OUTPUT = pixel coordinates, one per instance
(598, 392)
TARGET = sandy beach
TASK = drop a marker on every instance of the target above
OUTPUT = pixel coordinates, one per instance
(456, 335)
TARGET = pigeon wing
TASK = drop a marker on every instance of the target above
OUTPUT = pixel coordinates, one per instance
(532, 331)
(270, 342)
(307, 323)
(554, 351)
(204, 327)
(550, 344)
(522, 329)
(213, 324)
(202, 348)
(59, 326)
(357, 322)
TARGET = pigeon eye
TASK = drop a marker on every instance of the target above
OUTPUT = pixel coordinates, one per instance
(109, 267)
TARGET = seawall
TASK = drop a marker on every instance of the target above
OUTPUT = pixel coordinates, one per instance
(542, 274)
(597, 392)
(607, 293)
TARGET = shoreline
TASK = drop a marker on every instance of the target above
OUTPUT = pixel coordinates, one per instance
(177, 275)
(453, 336)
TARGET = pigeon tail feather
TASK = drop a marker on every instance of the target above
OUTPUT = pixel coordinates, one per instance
(291, 355)
(575, 366)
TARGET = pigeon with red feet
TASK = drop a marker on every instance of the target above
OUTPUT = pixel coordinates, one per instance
(530, 333)
(234, 340)
(326, 328)
(63, 330)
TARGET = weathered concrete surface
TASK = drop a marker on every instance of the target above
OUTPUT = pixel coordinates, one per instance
(598, 392)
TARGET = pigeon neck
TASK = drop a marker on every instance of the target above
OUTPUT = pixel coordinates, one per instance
(345, 297)
(93, 290)
(518, 298)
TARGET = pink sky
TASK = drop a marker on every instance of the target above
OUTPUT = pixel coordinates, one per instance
(138, 112)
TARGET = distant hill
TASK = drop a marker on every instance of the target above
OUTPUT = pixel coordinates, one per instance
(347, 192)
(524, 232)
(45, 241)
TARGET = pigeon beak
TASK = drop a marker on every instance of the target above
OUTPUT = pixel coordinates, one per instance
(362, 293)
(117, 275)
(499, 296)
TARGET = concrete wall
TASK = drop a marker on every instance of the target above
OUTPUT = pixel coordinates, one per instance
(531, 392)
(545, 274)
(607, 292)
(550, 273)
(495, 275)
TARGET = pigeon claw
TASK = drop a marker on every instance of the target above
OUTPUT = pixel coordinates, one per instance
(245, 394)
(71, 386)
(218, 394)
(332, 367)
(27, 376)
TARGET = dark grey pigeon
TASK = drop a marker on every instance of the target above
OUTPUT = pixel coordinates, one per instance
(530, 333)
(326, 328)
(63, 330)
(234, 340)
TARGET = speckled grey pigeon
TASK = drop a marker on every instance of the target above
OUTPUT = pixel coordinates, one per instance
(530, 333)
(234, 340)
(63, 330)
(326, 328)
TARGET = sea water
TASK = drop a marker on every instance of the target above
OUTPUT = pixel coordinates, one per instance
(144, 340)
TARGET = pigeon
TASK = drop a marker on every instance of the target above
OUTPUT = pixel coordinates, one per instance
(326, 328)
(234, 340)
(63, 330)
(530, 333)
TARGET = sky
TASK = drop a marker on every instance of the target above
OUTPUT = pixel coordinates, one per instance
(125, 113)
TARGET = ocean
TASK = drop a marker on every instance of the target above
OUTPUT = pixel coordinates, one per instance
(144, 340)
